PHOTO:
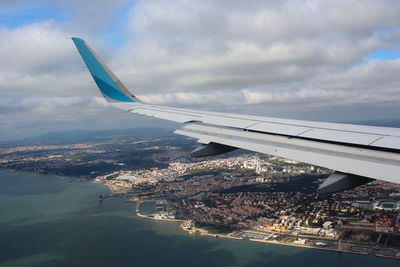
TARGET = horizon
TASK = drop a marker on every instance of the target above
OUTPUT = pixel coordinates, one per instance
(170, 126)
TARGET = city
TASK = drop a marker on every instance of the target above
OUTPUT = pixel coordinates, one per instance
(241, 195)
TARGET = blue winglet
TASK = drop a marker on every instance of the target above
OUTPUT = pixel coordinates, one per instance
(106, 81)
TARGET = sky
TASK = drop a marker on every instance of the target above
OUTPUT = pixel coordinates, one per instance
(303, 59)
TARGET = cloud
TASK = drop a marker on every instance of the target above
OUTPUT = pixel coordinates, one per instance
(371, 75)
(269, 56)
(33, 48)
(191, 46)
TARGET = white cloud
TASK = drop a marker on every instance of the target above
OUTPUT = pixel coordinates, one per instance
(36, 48)
(224, 54)
(370, 75)
(195, 46)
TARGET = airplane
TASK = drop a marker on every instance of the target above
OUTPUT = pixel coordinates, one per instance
(358, 154)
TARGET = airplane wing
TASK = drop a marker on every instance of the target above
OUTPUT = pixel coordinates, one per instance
(358, 153)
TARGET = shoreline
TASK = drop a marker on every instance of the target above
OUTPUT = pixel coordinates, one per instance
(116, 190)
(202, 232)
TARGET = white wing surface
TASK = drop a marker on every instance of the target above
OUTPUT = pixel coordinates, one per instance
(358, 153)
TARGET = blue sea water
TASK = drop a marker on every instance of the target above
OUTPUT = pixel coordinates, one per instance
(57, 221)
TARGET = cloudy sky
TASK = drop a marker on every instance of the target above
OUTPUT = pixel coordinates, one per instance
(307, 59)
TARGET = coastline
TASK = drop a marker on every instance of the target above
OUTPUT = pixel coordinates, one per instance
(202, 232)
(116, 191)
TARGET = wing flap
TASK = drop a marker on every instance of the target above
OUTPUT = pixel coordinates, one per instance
(278, 128)
(392, 142)
(341, 136)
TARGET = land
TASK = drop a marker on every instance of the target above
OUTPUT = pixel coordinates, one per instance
(240, 195)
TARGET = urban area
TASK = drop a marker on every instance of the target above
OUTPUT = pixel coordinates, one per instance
(240, 195)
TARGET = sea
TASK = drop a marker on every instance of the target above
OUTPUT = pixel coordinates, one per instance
(48, 220)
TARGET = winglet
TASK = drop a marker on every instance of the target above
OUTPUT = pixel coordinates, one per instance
(110, 86)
